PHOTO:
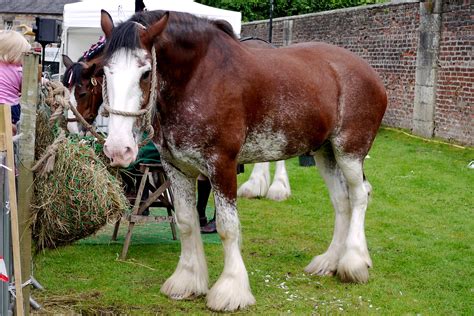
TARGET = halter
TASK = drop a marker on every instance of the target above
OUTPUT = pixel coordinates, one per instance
(146, 124)
(94, 82)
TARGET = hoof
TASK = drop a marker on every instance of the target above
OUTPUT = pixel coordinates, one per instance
(354, 268)
(184, 285)
(253, 188)
(230, 294)
(325, 264)
(278, 191)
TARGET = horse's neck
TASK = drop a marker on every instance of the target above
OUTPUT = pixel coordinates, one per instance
(177, 63)
(179, 58)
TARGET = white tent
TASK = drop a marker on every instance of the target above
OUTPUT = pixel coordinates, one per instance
(81, 23)
(81, 20)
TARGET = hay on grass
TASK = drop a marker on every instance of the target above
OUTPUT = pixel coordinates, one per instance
(77, 198)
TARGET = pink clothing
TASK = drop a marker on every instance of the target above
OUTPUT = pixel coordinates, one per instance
(10, 83)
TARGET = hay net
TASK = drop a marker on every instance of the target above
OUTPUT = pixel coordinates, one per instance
(75, 192)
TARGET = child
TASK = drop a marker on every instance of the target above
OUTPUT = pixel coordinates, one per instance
(12, 46)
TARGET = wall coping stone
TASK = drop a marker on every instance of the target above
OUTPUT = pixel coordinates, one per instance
(343, 10)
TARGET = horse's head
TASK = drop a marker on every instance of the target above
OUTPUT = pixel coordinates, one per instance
(84, 81)
(127, 68)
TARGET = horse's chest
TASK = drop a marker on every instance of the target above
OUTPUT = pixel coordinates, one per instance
(185, 152)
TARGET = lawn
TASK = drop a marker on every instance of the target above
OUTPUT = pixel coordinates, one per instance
(419, 228)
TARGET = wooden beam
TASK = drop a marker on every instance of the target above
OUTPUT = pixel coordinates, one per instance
(6, 130)
(29, 103)
(149, 219)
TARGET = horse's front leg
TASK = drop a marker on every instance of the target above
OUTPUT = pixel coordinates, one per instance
(190, 279)
(232, 289)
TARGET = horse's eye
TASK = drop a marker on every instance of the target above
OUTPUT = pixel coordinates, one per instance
(82, 95)
(146, 75)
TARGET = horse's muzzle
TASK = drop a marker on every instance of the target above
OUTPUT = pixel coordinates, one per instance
(121, 156)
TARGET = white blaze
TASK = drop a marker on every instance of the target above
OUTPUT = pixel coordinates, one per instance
(123, 74)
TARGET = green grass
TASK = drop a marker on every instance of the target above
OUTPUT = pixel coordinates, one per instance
(419, 228)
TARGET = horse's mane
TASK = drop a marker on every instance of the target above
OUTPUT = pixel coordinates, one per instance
(184, 25)
(95, 50)
(224, 26)
(72, 75)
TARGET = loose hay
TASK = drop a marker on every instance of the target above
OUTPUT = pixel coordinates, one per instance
(77, 198)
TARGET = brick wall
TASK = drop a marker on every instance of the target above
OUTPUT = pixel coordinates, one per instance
(18, 19)
(454, 113)
(387, 37)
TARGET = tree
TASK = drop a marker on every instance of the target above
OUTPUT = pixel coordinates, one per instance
(259, 9)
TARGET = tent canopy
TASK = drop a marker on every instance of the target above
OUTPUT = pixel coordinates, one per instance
(81, 20)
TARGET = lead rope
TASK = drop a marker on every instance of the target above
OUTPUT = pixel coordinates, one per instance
(146, 113)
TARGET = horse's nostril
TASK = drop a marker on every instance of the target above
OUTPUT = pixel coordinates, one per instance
(128, 150)
(106, 150)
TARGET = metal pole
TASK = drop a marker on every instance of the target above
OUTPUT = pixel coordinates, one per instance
(270, 29)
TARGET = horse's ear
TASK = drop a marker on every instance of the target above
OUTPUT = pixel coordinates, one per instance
(155, 30)
(106, 23)
(67, 61)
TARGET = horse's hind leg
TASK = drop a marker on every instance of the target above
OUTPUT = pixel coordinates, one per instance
(326, 263)
(355, 261)
(280, 189)
(258, 183)
(190, 278)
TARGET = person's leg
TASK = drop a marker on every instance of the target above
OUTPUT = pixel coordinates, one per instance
(203, 192)
(210, 227)
(16, 113)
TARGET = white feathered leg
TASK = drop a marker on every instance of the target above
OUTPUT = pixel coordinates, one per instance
(232, 289)
(355, 261)
(190, 279)
(258, 183)
(326, 263)
(280, 189)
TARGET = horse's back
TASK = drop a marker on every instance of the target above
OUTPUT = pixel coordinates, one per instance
(326, 90)
(362, 98)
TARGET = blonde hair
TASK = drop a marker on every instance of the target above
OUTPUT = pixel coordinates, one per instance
(12, 45)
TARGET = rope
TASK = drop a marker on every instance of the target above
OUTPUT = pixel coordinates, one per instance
(108, 110)
(46, 163)
(58, 98)
(144, 125)
(422, 138)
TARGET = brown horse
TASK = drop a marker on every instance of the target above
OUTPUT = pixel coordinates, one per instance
(84, 81)
(220, 103)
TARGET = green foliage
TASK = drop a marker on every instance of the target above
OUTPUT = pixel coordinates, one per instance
(260, 9)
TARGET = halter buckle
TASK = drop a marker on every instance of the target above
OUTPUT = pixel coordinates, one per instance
(93, 81)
